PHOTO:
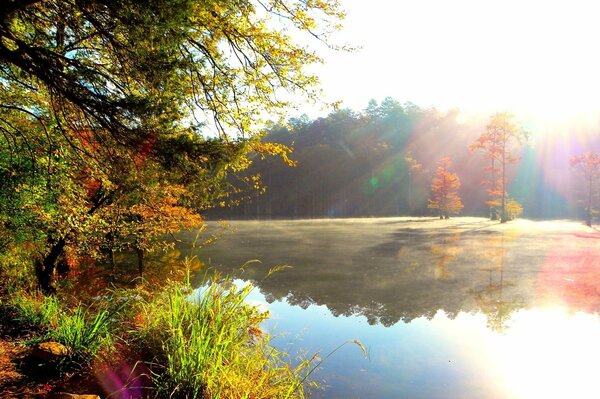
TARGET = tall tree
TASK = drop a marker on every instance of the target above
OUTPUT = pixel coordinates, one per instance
(444, 190)
(588, 166)
(97, 95)
(501, 140)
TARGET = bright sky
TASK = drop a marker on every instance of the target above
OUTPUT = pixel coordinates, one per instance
(536, 58)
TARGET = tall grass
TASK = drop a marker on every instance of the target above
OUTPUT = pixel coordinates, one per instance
(34, 311)
(85, 332)
(196, 343)
(209, 345)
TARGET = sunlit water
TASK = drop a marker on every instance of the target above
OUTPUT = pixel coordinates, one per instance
(447, 309)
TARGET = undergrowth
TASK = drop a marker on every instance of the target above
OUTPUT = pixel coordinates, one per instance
(34, 311)
(208, 344)
(203, 343)
(84, 331)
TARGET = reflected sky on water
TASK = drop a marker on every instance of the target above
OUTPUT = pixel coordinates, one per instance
(463, 308)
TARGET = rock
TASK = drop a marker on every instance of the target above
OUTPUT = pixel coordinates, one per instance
(64, 395)
(49, 351)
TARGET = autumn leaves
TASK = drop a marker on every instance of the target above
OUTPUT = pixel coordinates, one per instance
(498, 144)
(444, 190)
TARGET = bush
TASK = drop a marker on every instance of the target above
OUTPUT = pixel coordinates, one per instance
(16, 268)
(513, 209)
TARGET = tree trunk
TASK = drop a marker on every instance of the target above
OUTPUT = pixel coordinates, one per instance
(588, 219)
(503, 218)
(62, 267)
(493, 211)
(110, 250)
(140, 259)
(44, 269)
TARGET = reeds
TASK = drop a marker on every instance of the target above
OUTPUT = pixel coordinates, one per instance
(208, 344)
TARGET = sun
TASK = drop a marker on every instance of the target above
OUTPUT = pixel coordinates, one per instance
(536, 59)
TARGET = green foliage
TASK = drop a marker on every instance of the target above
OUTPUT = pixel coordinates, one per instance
(104, 106)
(125, 67)
(208, 344)
(353, 164)
(35, 311)
(86, 333)
(16, 271)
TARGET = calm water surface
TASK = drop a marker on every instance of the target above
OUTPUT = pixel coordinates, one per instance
(447, 309)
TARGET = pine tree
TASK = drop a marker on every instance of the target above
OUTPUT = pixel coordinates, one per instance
(444, 190)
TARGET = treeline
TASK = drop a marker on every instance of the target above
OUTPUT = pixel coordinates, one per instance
(379, 162)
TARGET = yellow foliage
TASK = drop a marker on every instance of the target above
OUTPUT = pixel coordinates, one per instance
(513, 209)
(274, 149)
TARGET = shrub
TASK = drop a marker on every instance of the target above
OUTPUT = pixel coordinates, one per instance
(513, 209)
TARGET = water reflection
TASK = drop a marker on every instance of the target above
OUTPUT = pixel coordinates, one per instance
(542, 353)
(444, 253)
(490, 298)
(391, 272)
(459, 309)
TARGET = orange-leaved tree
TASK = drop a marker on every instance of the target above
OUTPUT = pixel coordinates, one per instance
(502, 138)
(444, 190)
(588, 166)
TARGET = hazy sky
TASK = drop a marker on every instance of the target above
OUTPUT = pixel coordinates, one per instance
(537, 58)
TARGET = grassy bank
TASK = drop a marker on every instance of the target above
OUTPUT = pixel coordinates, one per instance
(176, 342)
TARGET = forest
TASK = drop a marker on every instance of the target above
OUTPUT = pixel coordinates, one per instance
(380, 161)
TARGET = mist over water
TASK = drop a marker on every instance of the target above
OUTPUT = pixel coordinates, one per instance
(447, 309)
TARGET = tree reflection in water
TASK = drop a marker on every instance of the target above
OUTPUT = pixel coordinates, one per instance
(490, 298)
(392, 270)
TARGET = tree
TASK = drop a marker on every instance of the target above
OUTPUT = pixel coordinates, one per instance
(588, 166)
(414, 169)
(124, 68)
(502, 138)
(99, 95)
(513, 209)
(444, 187)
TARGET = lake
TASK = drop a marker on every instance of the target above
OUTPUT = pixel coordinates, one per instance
(459, 308)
